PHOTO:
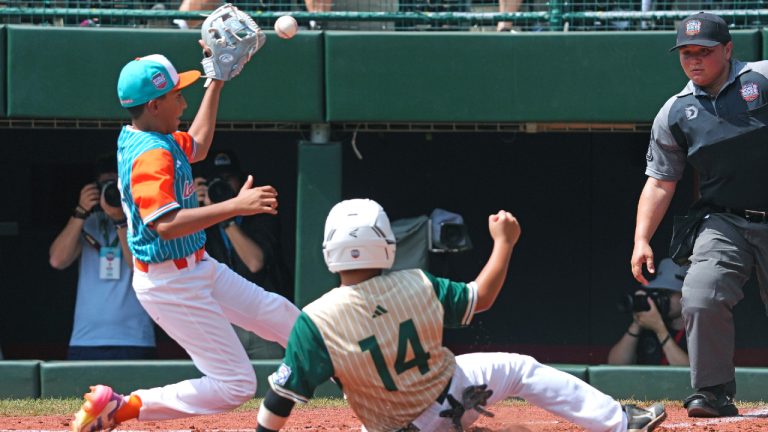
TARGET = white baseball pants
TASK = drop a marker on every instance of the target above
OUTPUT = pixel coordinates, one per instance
(195, 306)
(515, 375)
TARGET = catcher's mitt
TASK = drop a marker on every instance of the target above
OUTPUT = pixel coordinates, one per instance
(232, 38)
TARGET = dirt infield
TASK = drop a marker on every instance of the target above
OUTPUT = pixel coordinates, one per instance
(509, 418)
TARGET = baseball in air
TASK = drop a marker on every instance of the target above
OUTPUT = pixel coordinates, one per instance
(286, 26)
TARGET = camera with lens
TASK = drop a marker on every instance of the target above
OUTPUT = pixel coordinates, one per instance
(108, 189)
(638, 302)
(219, 190)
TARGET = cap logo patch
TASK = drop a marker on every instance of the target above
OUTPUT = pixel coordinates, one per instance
(355, 253)
(691, 112)
(692, 27)
(749, 92)
(282, 374)
(159, 81)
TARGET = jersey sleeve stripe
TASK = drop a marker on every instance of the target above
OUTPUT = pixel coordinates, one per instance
(159, 212)
(286, 393)
(471, 303)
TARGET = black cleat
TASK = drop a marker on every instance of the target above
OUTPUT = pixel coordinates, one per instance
(644, 419)
(710, 404)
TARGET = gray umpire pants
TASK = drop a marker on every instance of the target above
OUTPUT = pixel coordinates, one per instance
(727, 250)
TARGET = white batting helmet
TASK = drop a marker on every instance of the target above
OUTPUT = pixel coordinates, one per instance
(358, 236)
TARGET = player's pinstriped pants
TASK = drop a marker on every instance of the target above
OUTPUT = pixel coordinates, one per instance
(195, 306)
(515, 375)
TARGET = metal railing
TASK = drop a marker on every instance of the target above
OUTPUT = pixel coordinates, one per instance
(422, 15)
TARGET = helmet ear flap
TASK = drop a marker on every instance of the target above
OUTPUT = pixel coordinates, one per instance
(358, 235)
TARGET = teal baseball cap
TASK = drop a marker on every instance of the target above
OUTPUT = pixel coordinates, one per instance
(150, 77)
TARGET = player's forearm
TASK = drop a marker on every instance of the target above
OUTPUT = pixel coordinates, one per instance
(274, 412)
(652, 206)
(204, 124)
(184, 222)
(66, 247)
(491, 278)
(269, 422)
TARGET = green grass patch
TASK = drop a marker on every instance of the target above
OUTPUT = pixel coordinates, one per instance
(68, 406)
(320, 402)
(39, 407)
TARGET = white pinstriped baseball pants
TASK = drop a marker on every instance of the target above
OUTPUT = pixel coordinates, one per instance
(195, 306)
(515, 375)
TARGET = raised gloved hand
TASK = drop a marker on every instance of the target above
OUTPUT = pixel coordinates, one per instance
(231, 38)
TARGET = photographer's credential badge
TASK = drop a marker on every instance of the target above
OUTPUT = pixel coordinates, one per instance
(109, 262)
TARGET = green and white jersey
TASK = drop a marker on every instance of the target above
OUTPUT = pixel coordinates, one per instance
(382, 341)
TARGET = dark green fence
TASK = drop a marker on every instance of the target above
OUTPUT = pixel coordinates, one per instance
(339, 76)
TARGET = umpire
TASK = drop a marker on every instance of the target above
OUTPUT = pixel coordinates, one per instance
(718, 123)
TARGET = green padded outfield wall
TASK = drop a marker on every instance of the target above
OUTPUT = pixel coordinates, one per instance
(493, 77)
(367, 76)
(75, 75)
(765, 43)
(68, 379)
(19, 379)
(669, 382)
(3, 72)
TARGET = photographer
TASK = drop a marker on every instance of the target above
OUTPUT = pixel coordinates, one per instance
(249, 245)
(657, 332)
(109, 322)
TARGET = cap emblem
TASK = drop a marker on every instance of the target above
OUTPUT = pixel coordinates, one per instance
(159, 81)
(692, 27)
(749, 92)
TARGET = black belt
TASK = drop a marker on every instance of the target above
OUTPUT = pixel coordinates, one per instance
(443, 394)
(756, 216)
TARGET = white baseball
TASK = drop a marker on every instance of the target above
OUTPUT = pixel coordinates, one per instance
(286, 26)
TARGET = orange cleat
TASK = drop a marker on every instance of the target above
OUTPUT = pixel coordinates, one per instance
(98, 410)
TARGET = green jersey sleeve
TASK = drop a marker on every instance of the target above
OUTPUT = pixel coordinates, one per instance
(458, 299)
(306, 364)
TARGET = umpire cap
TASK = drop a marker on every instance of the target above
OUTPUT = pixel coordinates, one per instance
(703, 29)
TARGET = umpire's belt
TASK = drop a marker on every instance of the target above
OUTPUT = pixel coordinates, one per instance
(757, 216)
(180, 263)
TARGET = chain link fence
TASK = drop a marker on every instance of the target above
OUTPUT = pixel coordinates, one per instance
(411, 15)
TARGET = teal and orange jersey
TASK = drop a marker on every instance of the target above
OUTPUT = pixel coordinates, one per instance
(156, 178)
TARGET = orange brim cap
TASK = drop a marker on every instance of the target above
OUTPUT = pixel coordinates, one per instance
(186, 79)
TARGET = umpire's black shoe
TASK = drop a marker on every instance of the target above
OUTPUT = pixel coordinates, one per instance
(644, 419)
(713, 402)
